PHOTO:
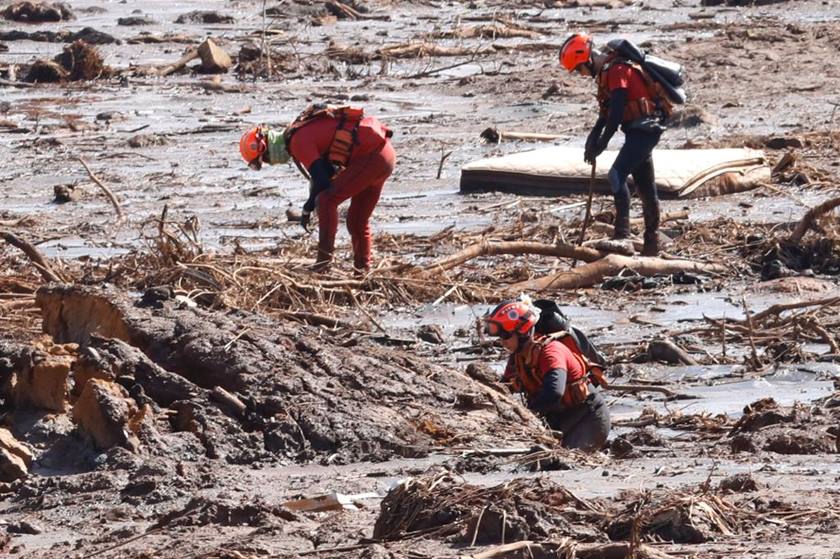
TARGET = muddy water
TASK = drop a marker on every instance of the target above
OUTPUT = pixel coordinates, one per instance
(202, 174)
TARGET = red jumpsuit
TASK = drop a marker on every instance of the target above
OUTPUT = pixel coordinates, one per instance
(371, 163)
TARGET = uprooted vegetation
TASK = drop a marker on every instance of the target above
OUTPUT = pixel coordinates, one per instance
(546, 519)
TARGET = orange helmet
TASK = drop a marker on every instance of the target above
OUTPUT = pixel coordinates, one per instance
(575, 51)
(252, 144)
(514, 316)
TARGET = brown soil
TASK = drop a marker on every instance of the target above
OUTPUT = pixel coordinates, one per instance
(184, 383)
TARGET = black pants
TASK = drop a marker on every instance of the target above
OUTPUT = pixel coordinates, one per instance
(635, 157)
(586, 426)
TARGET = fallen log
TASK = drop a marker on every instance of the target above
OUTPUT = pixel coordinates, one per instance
(40, 261)
(493, 248)
(595, 272)
(168, 69)
(669, 352)
(494, 136)
(810, 217)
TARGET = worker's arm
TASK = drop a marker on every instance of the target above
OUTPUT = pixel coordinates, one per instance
(321, 172)
(615, 113)
(551, 393)
(597, 128)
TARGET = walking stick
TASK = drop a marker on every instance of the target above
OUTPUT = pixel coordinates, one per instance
(588, 214)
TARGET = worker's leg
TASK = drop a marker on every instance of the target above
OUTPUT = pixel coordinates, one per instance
(636, 149)
(646, 187)
(363, 204)
(585, 427)
(643, 177)
(359, 175)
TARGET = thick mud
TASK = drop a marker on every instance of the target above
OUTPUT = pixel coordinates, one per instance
(171, 403)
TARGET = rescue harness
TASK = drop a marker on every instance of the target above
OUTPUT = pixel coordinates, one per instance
(528, 378)
(346, 133)
(656, 103)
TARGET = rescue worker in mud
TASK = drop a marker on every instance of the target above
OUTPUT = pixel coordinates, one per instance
(346, 155)
(552, 373)
(625, 99)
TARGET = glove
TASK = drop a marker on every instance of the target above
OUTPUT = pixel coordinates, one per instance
(305, 216)
(589, 154)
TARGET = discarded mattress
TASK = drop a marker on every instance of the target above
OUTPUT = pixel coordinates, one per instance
(558, 170)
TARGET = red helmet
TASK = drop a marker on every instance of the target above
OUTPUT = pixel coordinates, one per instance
(575, 51)
(252, 144)
(514, 316)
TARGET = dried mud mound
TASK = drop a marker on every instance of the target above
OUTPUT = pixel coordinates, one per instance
(245, 387)
(795, 430)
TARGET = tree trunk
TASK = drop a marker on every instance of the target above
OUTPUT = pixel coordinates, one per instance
(595, 272)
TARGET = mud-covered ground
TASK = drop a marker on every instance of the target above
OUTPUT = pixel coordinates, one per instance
(221, 407)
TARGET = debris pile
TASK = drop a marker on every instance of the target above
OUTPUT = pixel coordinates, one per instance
(37, 12)
(78, 61)
(443, 506)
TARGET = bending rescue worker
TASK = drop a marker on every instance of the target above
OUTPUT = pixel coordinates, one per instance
(347, 154)
(552, 372)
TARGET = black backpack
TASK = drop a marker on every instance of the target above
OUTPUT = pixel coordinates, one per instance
(666, 73)
(553, 320)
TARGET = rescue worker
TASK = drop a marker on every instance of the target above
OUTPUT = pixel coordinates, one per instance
(347, 155)
(625, 99)
(552, 373)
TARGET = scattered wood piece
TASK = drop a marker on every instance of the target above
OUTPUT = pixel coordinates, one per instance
(494, 136)
(228, 401)
(105, 189)
(588, 214)
(666, 350)
(214, 60)
(493, 248)
(317, 319)
(636, 388)
(41, 263)
(810, 217)
(595, 272)
(168, 69)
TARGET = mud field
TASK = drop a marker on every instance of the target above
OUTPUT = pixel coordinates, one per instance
(175, 382)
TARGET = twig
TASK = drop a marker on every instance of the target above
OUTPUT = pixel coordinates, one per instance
(443, 157)
(755, 362)
(478, 524)
(123, 543)
(228, 345)
(588, 215)
(810, 216)
(105, 189)
(35, 256)
(367, 314)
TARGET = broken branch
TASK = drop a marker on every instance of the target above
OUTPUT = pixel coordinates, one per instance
(492, 248)
(810, 217)
(105, 189)
(34, 255)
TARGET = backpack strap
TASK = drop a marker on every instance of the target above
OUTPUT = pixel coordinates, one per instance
(656, 102)
(346, 133)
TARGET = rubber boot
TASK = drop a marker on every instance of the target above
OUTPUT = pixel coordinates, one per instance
(622, 218)
(651, 213)
(651, 246)
(323, 261)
